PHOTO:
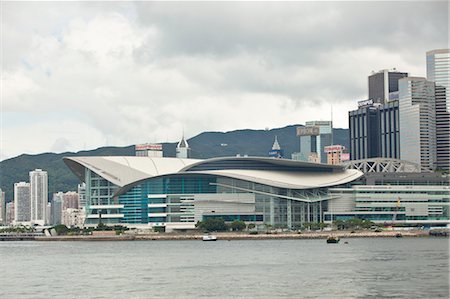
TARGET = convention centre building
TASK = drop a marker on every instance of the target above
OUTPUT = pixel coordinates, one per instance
(176, 193)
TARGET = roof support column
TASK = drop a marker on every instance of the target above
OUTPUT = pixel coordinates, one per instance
(272, 211)
(308, 212)
(289, 213)
(320, 212)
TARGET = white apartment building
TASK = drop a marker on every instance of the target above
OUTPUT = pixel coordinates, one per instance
(39, 196)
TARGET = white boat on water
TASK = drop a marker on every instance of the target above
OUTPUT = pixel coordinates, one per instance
(209, 238)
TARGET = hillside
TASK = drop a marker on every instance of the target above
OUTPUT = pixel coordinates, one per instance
(204, 145)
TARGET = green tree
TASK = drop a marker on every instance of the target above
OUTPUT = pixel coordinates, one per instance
(213, 224)
(159, 229)
(314, 226)
(238, 225)
(367, 224)
(251, 226)
(340, 224)
(322, 225)
(61, 229)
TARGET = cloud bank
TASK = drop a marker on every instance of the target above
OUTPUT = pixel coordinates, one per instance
(83, 75)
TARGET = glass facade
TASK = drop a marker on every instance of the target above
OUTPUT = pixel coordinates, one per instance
(382, 84)
(178, 199)
(375, 132)
(417, 121)
(438, 71)
(100, 201)
(389, 130)
(392, 204)
(316, 143)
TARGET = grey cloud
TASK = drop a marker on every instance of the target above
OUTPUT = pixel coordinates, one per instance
(293, 31)
(130, 69)
(293, 36)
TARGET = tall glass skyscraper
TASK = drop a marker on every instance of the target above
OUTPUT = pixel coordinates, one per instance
(383, 85)
(417, 121)
(438, 71)
(39, 196)
(314, 137)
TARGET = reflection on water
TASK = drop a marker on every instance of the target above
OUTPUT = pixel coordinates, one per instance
(364, 268)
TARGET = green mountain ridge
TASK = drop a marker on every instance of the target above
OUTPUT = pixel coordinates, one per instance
(205, 145)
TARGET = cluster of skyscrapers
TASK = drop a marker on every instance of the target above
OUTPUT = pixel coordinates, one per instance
(31, 206)
(406, 117)
(399, 137)
(31, 198)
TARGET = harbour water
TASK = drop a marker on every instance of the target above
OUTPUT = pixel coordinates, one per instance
(363, 268)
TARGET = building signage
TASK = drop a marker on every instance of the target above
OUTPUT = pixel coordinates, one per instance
(149, 147)
(365, 103)
(345, 157)
(333, 148)
(276, 153)
(308, 131)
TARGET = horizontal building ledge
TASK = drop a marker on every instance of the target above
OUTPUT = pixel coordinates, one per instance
(105, 216)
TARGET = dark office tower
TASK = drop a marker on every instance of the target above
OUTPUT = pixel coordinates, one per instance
(389, 130)
(364, 133)
(383, 85)
(374, 130)
(438, 71)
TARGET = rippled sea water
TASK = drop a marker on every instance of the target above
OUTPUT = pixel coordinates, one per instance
(364, 268)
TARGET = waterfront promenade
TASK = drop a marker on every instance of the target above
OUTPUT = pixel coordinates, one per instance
(236, 236)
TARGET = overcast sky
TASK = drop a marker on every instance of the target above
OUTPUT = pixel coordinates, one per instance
(83, 75)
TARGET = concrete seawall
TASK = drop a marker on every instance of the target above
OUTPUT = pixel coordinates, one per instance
(239, 236)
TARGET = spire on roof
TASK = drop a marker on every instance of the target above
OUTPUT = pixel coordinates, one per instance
(276, 145)
(183, 143)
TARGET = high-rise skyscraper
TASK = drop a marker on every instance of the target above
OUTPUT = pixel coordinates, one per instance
(438, 71)
(10, 211)
(314, 137)
(417, 121)
(70, 200)
(383, 85)
(81, 190)
(374, 131)
(22, 202)
(57, 208)
(39, 196)
(2, 208)
(374, 127)
(364, 124)
(48, 214)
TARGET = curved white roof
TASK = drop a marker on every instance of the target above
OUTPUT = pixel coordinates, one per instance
(125, 171)
(288, 179)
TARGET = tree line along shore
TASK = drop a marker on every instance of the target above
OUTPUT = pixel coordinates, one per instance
(111, 236)
(237, 230)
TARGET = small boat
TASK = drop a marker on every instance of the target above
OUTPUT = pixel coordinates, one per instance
(332, 239)
(209, 238)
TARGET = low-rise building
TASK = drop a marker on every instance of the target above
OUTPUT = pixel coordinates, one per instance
(73, 217)
(391, 204)
(334, 154)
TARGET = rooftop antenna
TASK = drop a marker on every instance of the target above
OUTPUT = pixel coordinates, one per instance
(332, 135)
(331, 112)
